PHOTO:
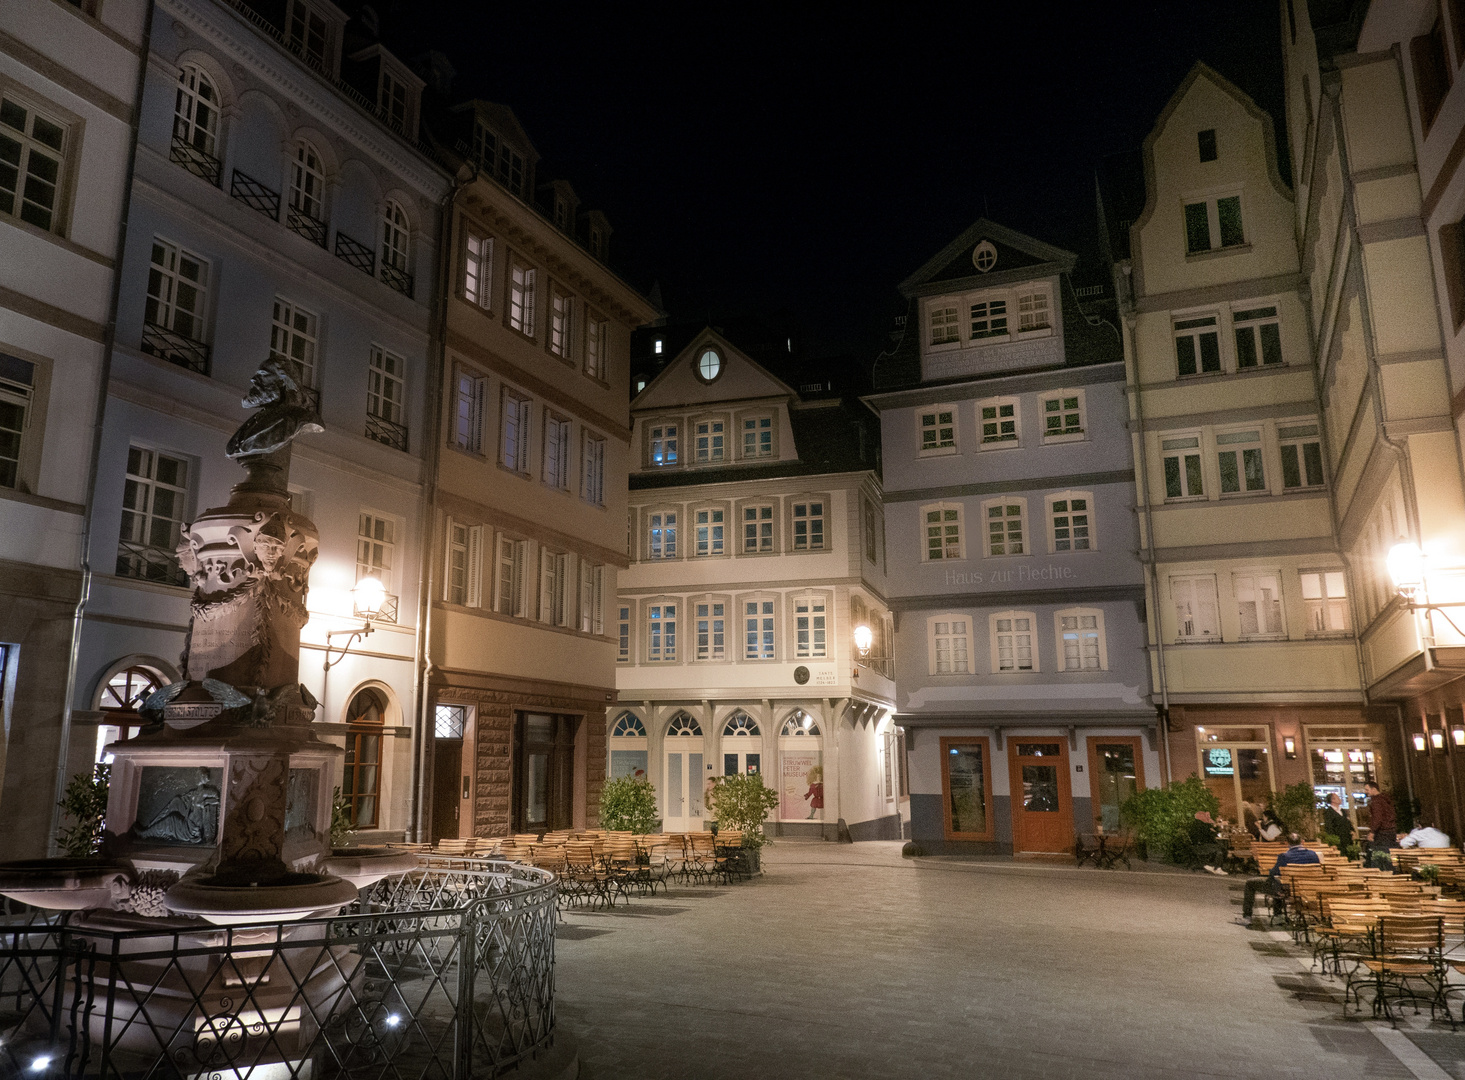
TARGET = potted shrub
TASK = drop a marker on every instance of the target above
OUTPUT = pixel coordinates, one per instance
(742, 803)
(1163, 819)
(628, 804)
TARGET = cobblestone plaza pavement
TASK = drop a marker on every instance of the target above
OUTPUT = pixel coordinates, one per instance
(847, 961)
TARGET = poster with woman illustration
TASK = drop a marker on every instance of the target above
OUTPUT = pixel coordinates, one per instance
(801, 786)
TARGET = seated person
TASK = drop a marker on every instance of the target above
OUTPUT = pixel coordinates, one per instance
(1295, 855)
(1425, 836)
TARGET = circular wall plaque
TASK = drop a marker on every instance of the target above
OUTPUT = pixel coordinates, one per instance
(801, 675)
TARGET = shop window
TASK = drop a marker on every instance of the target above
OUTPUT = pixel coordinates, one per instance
(966, 789)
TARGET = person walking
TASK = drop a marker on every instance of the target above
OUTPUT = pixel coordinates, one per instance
(1336, 823)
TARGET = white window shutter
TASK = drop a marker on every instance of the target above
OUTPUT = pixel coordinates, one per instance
(447, 559)
(1207, 622)
(597, 600)
(564, 597)
(546, 587)
(475, 566)
(521, 569)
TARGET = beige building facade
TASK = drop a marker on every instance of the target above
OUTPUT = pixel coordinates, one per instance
(529, 510)
(757, 545)
(1249, 599)
(1376, 121)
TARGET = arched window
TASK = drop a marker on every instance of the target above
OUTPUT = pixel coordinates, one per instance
(628, 747)
(361, 777)
(308, 184)
(393, 255)
(740, 724)
(121, 699)
(800, 723)
(196, 111)
(682, 724)
(629, 724)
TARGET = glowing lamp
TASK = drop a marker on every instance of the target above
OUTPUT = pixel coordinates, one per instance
(864, 639)
(368, 597)
(1406, 569)
(1458, 734)
(1289, 747)
(1437, 739)
(1419, 742)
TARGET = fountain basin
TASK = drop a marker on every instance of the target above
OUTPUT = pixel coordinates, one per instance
(365, 866)
(63, 884)
(286, 899)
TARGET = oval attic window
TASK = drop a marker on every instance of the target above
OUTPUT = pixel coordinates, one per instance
(709, 364)
(985, 256)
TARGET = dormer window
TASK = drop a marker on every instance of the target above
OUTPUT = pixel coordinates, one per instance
(1032, 312)
(561, 212)
(498, 159)
(391, 99)
(597, 243)
(307, 35)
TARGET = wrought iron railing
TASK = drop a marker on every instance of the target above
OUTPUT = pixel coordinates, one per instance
(356, 253)
(149, 564)
(388, 611)
(447, 974)
(255, 195)
(312, 228)
(175, 348)
(386, 431)
(312, 398)
(397, 279)
(196, 161)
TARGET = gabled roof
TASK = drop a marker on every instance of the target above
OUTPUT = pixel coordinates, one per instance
(741, 379)
(1019, 257)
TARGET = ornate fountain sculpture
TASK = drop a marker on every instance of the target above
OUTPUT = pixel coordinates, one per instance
(229, 786)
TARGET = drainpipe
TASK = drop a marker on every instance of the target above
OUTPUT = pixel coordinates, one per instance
(1150, 571)
(418, 806)
(109, 341)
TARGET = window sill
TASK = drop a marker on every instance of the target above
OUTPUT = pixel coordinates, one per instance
(1066, 437)
(1261, 638)
(512, 472)
(1217, 253)
(940, 451)
(476, 455)
(1001, 444)
(1198, 641)
(1171, 500)
(1035, 332)
(1328, 635)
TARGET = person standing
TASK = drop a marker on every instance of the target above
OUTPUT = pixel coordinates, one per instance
(1381, 820)
(1336, 823)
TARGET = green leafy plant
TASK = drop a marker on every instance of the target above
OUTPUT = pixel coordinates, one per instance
(1295, 806)
(343, 822)
(1163, 819)
(85, 802)
(741, 803)
(628, 804)
(1430, 872)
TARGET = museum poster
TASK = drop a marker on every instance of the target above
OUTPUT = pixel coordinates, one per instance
(801, 790)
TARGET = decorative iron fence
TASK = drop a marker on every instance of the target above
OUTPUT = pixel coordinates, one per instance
(356, 253)
(149, 564)
(255, 195)
(173, 347)
(196, 161)
(397, 278)
(433, 973)
(386, 431)
(312, 228)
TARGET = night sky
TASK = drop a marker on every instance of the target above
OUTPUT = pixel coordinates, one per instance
(752, 160)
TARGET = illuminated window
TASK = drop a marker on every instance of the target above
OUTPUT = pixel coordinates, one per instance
(949, 645)
(757, 529)
(1012, 641)
(1325, 599)
(664, 444)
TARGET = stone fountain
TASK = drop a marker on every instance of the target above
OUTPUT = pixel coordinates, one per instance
(225, 798)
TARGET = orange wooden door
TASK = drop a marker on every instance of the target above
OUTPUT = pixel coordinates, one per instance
(1042, 800)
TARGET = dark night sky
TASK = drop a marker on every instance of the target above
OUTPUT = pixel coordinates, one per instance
(790, 157)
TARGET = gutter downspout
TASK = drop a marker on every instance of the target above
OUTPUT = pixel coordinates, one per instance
(418, 823)
(109, 341)
(1150, 571)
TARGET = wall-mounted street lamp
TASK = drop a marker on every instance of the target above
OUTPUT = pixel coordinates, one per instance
(1419, 742)
(1437, 739)
(1289, 747)
(864, 642)
(367, 599)
(1406, 565)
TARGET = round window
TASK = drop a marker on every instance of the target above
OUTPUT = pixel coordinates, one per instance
(709, 364)
(985, 256)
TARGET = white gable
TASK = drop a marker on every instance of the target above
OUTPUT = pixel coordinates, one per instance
(740, 379)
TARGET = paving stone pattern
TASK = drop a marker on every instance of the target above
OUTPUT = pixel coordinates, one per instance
(847, 961)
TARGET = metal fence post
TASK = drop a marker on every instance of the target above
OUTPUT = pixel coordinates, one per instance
(467, 962)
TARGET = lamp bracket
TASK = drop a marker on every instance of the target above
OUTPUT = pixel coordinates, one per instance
(357, 634)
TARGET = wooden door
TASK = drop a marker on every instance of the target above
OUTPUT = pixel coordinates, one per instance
(447, 771)
(1042, 802)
